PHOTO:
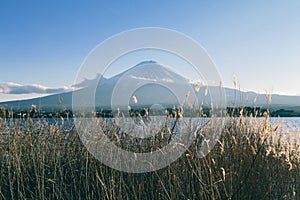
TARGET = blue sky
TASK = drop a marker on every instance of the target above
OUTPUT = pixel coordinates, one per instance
(45, 42)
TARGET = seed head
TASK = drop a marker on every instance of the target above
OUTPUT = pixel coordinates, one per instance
(134, 99)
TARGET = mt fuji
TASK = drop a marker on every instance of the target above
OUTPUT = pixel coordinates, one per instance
(151, 83)
(148, 81)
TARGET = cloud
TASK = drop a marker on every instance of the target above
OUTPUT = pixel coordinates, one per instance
(15, 88)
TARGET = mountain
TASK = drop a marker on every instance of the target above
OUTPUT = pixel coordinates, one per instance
(150, 83)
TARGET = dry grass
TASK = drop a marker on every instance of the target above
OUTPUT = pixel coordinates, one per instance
(252, 160)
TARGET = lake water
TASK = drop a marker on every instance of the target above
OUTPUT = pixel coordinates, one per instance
(291, 124)
(287, 124)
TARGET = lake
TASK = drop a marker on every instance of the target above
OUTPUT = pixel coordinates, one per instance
(288, 124)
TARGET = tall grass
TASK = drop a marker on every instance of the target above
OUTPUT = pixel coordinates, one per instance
(251, 160)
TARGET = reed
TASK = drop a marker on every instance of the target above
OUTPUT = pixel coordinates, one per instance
(251, 160)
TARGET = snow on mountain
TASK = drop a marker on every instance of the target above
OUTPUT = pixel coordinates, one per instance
(149, 81)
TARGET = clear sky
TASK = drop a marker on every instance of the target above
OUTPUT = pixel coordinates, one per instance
(45, 42)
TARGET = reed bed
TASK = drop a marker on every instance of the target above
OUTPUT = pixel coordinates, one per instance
(251, 160)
